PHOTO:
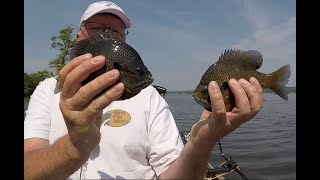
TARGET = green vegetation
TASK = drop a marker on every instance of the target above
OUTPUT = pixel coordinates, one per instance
(63, 42)
(32, 80)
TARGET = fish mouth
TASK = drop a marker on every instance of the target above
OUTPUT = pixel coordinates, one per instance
(145, 83)
(134, 89)
(140, 85)
(204, 103)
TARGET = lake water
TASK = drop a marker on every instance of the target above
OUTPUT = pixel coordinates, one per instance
(264, 148)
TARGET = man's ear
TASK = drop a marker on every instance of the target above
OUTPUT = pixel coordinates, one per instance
(78, 34)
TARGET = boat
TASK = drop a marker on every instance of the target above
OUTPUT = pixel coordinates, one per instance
(162, 91)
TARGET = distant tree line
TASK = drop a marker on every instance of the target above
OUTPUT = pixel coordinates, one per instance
(32, 80)
(63, 42)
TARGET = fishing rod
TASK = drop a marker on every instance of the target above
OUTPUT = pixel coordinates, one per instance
(232, 162)
(226, 167)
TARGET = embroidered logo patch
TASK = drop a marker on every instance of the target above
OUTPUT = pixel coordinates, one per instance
(116, 118)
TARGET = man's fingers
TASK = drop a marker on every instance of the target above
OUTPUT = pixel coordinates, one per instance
(217, 103)
(99, 103)
(73, 80)
(241, 100)
(253, 95)
(256, 83)
(87, 92)
(70, 66)
(92, 112)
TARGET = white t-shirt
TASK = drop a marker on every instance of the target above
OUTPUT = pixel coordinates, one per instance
(139, 137)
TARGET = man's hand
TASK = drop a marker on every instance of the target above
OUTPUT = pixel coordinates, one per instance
(81, 109)
(214, 126)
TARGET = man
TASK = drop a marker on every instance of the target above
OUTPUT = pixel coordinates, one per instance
(76, 135)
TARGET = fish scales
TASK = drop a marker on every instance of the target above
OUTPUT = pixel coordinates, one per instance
(237, 64)
(119, 55)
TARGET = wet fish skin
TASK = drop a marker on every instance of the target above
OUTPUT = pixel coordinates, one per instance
(119, 55)
(237, 64)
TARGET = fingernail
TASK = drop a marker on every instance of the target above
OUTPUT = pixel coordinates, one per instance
(244, 82)
(235, 82)
(111, 74)
(87, 56)
(96, 59)
(117, 88)
(213, 85)
(254, 80)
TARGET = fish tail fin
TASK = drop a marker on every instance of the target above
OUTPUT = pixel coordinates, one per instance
(280, 78)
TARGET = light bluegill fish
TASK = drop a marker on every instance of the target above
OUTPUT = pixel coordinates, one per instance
(119, 55)
(239, 64)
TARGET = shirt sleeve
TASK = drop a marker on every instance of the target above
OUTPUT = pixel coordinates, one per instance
(165, 142)
(37, 116)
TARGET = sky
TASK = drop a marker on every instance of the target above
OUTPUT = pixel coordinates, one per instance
(177, 40)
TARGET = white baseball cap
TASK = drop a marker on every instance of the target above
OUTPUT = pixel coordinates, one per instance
(108, 7)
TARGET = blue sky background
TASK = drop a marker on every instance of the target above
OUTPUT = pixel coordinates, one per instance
(177, 40)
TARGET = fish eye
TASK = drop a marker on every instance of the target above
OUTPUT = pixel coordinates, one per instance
(140, 71)
(116, 66)
(205, 90)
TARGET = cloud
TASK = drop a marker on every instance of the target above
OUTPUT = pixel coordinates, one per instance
(276, 42)
(253, 15)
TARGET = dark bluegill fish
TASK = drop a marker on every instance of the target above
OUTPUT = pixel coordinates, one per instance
(119, 55)
(239, 64)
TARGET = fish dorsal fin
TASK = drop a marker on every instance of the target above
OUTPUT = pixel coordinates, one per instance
(79, 47)
(256, 56)
(252, 57)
